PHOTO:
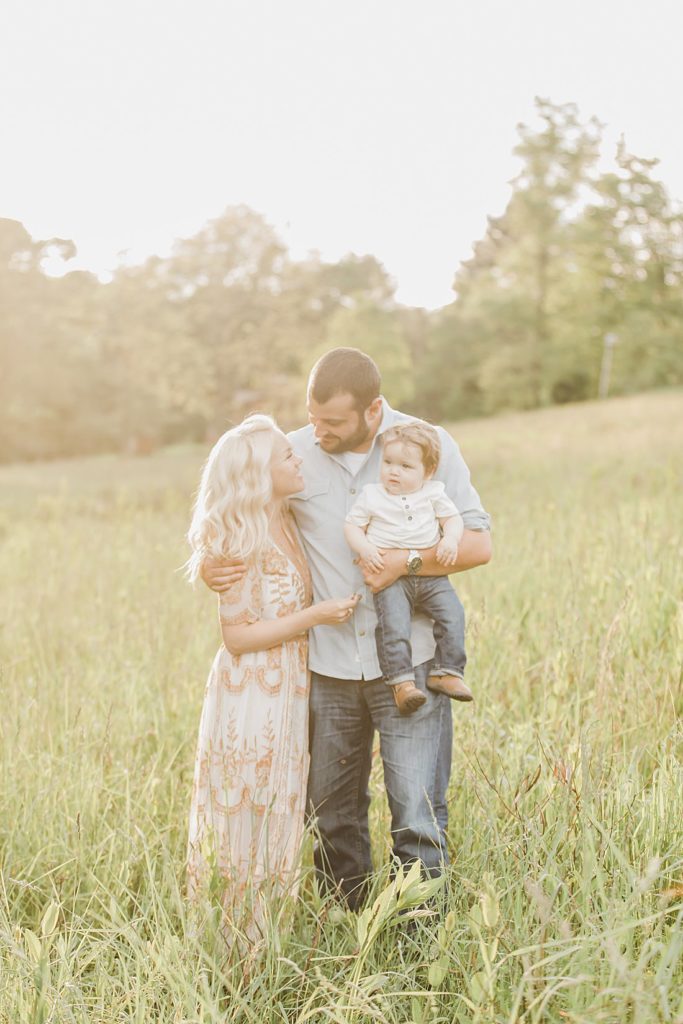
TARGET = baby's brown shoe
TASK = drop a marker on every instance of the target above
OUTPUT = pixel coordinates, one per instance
(452, 686)
(407, 697)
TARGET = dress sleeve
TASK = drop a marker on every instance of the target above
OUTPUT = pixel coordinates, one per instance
(243, 602)
(360, 514)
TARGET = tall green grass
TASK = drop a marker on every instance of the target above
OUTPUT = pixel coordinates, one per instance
(564, 900)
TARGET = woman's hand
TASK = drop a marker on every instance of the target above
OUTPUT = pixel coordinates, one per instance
(335, 612)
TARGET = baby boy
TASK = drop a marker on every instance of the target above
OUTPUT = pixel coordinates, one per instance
(408, 509)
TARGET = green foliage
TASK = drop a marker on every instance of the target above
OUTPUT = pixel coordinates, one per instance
(378, 332)
(564, 898)
(179, 348)
(576, 255)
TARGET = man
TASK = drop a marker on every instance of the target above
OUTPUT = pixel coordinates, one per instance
(341, 452)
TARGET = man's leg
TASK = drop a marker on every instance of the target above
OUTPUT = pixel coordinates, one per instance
(443, 766)
(416, 761)
(450, 655)
(341, 753)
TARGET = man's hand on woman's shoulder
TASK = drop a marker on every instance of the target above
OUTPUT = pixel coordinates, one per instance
(221, 575)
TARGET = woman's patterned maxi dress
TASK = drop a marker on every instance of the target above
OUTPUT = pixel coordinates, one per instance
(251, 770)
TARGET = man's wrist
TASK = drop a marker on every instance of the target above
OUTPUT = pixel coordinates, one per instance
(398, 560)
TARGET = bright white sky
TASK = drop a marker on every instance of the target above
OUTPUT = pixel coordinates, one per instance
(382, 126)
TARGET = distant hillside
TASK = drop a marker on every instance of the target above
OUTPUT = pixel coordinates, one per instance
(593, 432)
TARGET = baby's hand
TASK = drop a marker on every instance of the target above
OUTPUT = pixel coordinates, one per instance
(446, 552)
(370, 559)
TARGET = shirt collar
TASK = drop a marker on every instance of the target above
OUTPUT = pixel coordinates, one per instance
(388, 419)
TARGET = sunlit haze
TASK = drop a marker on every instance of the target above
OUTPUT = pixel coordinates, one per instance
(385, 126)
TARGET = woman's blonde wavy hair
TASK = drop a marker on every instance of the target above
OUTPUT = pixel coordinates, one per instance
(229, 518)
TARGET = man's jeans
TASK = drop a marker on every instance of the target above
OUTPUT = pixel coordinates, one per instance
(395, 607)
(416, 755)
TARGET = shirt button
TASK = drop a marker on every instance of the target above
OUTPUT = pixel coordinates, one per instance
(361, 632)
(410, 517)
(353, 490)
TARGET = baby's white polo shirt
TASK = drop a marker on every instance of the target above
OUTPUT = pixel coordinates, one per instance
(402, 520)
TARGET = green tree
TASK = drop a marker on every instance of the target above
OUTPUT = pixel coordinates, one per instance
(41, 358)
(515, 281)
(379, 332)
(629, 245)
(226, 278)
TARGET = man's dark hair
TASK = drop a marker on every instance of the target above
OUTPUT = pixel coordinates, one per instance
(345, 371)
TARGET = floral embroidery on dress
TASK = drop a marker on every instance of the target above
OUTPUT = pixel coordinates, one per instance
(242, 602)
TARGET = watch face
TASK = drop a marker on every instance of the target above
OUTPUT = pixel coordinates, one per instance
(414, 564)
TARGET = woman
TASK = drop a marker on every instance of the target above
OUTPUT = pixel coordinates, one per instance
(248, 798)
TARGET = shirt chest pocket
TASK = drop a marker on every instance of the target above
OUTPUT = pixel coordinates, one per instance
(313, 507)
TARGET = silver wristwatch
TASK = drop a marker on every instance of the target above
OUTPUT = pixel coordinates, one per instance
(413, 562)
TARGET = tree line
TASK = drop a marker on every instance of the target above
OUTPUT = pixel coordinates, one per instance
(582, 260)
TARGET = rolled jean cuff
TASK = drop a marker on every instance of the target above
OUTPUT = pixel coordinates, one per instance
(404, 677)
(439, 671)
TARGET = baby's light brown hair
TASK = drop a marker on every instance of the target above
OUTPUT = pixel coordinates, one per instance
(422, 436)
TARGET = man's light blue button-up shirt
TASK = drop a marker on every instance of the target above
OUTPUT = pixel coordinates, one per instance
(348, 651)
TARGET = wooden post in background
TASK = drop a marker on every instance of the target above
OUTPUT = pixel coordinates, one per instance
(610, 341)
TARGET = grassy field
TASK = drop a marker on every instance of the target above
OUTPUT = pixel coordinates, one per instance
(564, 902)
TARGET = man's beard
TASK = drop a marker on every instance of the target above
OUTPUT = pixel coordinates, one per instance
(348, 444)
